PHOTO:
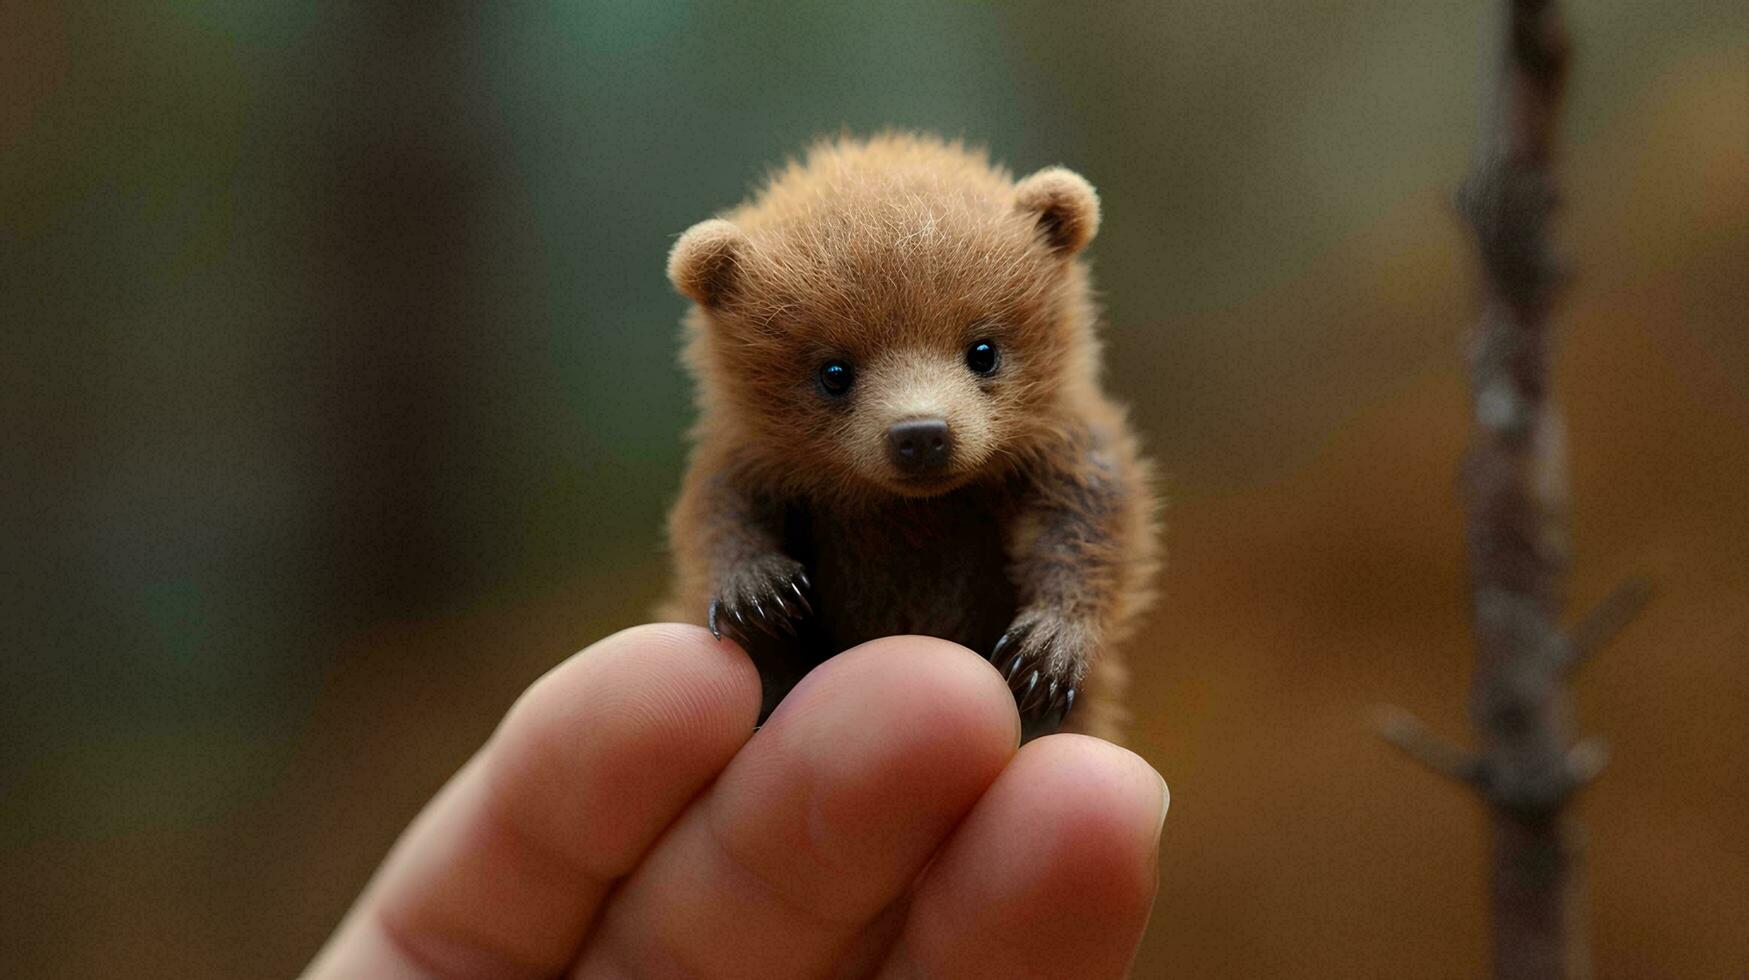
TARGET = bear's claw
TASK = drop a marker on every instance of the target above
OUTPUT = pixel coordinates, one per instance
(768, 597)
(1043, 698)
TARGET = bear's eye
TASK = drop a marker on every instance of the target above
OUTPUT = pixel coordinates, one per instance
(836, 377)
(981, 358)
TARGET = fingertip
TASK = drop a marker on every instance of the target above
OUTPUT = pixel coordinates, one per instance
(1103, 800)
(1053, 873)
(1087, 757)
(918, 683)
(704, 679)
(662, 698)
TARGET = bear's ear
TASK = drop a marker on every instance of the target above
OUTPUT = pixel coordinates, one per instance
(1066, 207)
(706, 261)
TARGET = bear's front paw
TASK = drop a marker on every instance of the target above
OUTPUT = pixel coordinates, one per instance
(1044, 658)
(769, 594)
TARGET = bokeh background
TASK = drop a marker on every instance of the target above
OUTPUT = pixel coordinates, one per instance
(339, 401)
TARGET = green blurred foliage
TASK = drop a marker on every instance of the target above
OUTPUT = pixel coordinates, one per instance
(338, 397)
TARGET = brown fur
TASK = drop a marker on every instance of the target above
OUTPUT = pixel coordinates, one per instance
(894, 254)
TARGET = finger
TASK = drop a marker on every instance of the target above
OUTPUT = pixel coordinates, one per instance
(503, 872)
(825, 818)
(1053, 874)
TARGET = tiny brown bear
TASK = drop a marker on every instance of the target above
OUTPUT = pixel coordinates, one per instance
(901, 427)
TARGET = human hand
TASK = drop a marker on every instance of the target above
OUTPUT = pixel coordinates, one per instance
(625, 820)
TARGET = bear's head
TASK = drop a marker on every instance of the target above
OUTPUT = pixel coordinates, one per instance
(892, 315)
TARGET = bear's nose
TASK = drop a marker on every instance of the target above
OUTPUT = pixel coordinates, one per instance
(920, 445)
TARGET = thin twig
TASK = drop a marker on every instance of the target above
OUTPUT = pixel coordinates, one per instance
(1414, 739)
(1585, 761)
(1605, 620)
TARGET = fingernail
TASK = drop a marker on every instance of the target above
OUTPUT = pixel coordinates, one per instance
(1165, 804)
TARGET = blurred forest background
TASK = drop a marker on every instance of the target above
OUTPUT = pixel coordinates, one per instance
(338, 400)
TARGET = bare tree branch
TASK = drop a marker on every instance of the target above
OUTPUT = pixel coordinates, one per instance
(1516, 503)
(1514, 481)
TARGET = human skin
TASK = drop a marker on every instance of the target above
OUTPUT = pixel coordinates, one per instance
(625, 820)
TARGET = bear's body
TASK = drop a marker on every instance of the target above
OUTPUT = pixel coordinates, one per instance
(901, 427)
